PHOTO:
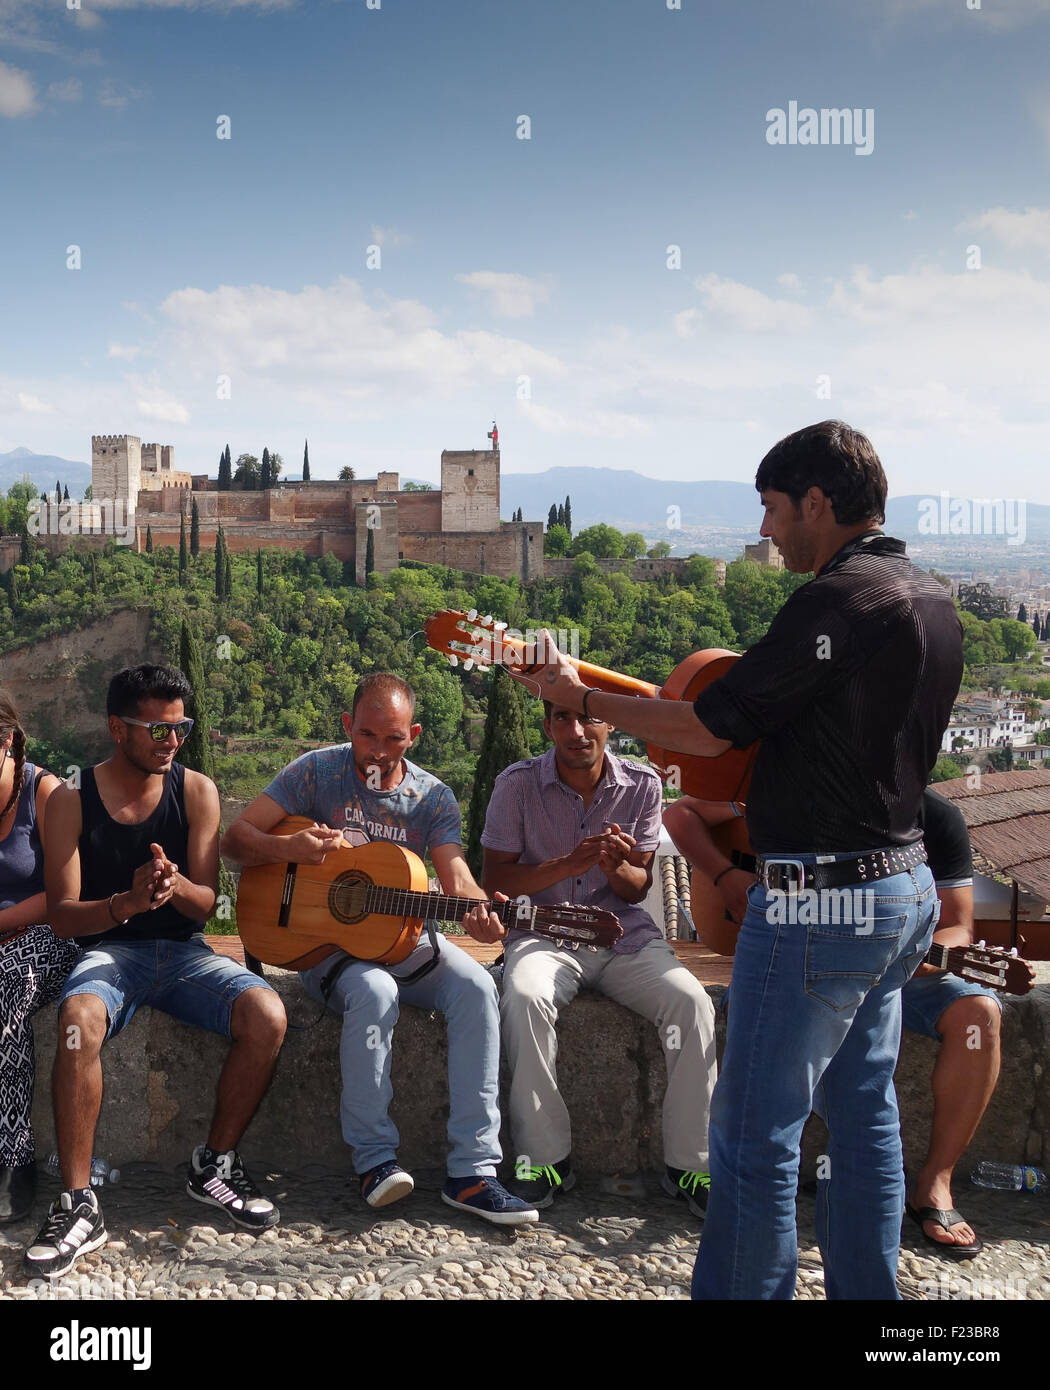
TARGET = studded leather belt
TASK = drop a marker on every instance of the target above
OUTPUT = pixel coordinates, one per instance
(789, 875)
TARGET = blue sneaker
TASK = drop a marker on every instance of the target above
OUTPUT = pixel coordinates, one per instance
(488, 1198)
(385, 1183)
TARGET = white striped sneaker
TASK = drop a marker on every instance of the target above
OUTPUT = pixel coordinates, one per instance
(226, 1184)
(69, 1232)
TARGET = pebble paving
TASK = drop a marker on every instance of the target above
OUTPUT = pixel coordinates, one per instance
(590, 1245)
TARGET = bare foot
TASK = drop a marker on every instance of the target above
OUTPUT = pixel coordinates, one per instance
(939, 1196)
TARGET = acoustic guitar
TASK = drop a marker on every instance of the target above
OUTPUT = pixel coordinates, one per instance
(372, 901)
(480, 641)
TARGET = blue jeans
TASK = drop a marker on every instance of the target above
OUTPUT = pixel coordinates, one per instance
(814, 1024)
(368, 997)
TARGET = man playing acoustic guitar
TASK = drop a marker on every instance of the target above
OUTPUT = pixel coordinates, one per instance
(357, 792)
(963, 1016)
(850, 692)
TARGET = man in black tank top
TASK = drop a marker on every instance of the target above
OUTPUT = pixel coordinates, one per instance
(131, 872)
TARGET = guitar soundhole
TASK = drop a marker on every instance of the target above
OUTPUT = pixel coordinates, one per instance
(347, 896)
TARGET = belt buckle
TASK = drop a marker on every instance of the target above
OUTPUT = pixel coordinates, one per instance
(779, 866)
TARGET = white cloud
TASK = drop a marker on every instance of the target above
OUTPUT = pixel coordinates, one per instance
(128, 351)
(597, 424)
(70, 90)
(971, 297)
(511, 296)
(741, 306)
(33, 405)
(165, 408)
(1015, 229)
(909, 216)
(87, 19)
(790, 281)
(17, 92)
(685, 322)
(334, 334)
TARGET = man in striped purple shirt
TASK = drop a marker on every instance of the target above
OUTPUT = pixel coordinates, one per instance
(579, 825)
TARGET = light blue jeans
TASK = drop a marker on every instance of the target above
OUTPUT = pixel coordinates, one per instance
(814, 1024)
(368, 997)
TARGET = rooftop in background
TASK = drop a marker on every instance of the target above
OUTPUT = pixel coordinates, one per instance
(1008, 817)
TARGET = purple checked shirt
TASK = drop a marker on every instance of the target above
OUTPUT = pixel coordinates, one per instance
(533, 814)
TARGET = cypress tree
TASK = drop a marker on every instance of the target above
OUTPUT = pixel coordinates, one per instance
(225, 470)
(568, 516)
(227, 575)
(258, 571)
(561, 515)
(149, 540)
(195, 530)
(196, 751)
(184, 563)
(264, 473)
(58, 491)
(220, 566)
(13, 590)
(503, 742)
(1022, 614)
(25, 554)
(552, 516)
(65, 493)
(370, 552)
(94, 574)
(306, 461)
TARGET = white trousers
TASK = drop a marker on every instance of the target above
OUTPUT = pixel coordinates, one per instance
(539, 980)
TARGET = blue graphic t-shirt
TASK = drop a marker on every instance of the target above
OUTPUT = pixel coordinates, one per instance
(419, 814)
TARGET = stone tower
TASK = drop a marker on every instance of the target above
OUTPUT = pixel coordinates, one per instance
(470, 490)
(116, 468)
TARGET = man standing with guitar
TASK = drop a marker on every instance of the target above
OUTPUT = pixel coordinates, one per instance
(356, 792)
(962, 1015)
(849, 691)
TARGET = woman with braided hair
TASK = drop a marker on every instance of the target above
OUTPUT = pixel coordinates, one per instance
(33, 961)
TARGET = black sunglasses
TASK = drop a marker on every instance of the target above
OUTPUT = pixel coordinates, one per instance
(159, 729)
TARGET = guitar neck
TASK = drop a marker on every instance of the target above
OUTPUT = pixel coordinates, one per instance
(439, 907)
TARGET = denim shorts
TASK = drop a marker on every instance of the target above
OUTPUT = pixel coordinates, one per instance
(185, 979)
(924, 1000)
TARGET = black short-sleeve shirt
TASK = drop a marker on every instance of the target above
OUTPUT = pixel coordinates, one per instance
(850, 692)
(947, 841)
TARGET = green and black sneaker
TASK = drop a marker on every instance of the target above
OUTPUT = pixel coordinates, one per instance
(692, 1188)
(540, 1185)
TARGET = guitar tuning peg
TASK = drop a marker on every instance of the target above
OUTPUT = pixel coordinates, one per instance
(487, 620)
(981, 945)
(468, 665)
(472, 615)
(500, 627)
(453, 659)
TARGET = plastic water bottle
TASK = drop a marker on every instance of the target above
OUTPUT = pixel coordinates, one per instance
(1009, 1177)
(100, 1170)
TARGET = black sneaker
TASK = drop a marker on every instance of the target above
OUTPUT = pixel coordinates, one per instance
(385, 1183)
(72, 1229)
(223, 1182)
(691, 1187)
(540, 1185)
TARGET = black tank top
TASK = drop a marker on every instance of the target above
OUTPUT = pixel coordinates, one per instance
(111, 852)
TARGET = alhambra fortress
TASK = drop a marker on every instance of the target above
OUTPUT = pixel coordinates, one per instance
(136, 486)
(458, 526)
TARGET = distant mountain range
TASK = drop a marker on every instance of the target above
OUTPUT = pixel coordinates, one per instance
(44, 471)
(632, 502)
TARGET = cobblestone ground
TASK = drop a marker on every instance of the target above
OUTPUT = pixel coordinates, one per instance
(590, 1245)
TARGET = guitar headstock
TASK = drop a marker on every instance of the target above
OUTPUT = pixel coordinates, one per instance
(470, 639)
(994, 967)
(588, 926)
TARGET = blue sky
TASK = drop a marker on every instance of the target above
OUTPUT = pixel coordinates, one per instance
(528, 280)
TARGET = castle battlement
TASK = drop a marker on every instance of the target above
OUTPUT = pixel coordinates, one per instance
(114, 438)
